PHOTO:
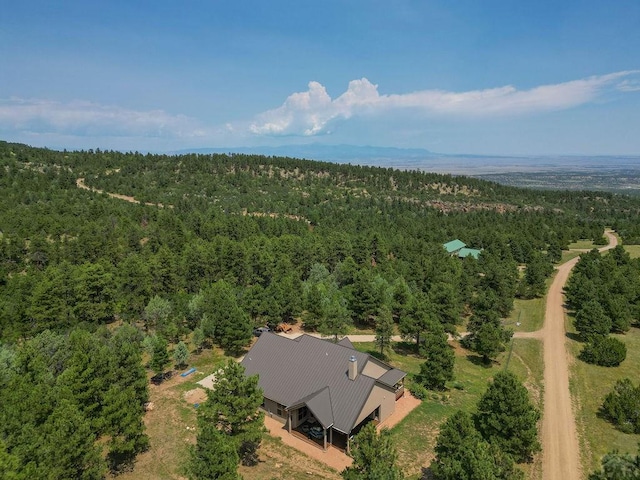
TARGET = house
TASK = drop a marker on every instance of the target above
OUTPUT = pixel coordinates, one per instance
(460, 249)
(466, 252)
(323, 390)
(454, 246)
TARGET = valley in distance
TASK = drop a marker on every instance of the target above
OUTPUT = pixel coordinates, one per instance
(611, 173)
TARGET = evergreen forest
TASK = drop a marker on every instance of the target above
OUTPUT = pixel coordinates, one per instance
(107, 257)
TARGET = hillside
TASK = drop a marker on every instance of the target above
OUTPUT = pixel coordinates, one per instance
(202, 248)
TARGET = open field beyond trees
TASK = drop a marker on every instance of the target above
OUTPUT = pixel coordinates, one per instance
(589, 385)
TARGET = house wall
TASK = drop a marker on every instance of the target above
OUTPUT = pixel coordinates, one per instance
(373, 369)
(296, 420)
(271, 409)
(380, 397)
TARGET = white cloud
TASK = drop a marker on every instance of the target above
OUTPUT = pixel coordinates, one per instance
(310, 113)
(629, 86)
(86, 119)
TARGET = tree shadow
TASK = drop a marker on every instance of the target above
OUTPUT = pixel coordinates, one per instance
(377, 354)
(479, 361)
(574, 336)
(427, 474)
(404, 348)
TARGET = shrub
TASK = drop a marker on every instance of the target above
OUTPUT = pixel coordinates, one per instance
(604, 351)
(418, 391)
(622, 406)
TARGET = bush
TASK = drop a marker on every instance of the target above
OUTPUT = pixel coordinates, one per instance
(604, 351)
(418, 391)
(622, 406)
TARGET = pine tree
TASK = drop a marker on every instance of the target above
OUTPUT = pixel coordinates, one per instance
(462, 454)
(622, 406)
(336, 319)
(181, 354)
(591, 320)
(160, 358)
(223, 318)
(507, 418)
(488, 340)
(9, 464)
(440, 359)
(616, 466)
(198, 338)
(417, 318)
(157, 313)
(68, 448)
(233, 407)
(384, 329)
(214, 455)
(374, 456)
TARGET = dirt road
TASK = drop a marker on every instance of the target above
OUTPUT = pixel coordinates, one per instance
(560, 449)
(80, 184)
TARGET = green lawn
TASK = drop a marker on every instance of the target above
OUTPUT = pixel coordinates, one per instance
(569, 255)
(589, 385)
(528, 313)
(583, 244)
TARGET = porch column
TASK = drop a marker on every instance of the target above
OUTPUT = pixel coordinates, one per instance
(289, 420)
(348, 444)
(324, 434)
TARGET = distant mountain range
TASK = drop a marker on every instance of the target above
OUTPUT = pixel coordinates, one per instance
(422, 159)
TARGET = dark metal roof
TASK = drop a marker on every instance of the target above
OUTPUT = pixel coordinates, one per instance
(345, 342)
(392, 377)
(320, 405)
(312, 371)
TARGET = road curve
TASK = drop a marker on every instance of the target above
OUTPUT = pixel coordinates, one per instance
(560, 448)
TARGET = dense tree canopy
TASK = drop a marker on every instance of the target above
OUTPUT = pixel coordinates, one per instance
(61, 395)
(214, 245)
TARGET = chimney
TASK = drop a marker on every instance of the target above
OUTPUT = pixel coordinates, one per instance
(353, 368)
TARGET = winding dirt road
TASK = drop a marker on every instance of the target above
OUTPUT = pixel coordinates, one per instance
(560, 449)
(80, 184)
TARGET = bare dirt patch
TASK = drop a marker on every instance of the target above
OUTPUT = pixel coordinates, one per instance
(197, 395)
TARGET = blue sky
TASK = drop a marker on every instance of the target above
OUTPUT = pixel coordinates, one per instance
(465, 76)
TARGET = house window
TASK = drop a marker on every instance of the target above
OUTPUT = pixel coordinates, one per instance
(279, 410)
(302, 412)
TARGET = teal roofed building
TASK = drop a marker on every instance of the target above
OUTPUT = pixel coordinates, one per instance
(465, 252)
(454, 246)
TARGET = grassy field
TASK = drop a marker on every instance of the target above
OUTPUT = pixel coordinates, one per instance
(634, 250)
(569, 255)
(528, 313)
(589, 385)
(583, 245)
(415, 436)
